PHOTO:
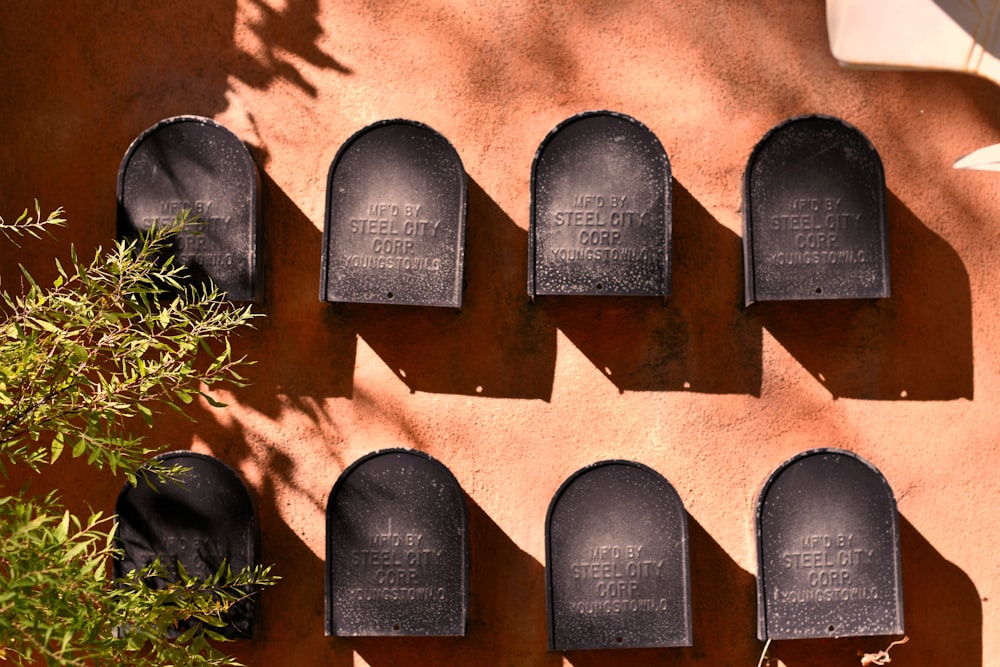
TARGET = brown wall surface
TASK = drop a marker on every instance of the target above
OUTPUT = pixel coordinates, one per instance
(515, 397)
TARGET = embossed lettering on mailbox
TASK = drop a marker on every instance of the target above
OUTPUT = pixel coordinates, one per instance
(814, 217)
(828, 550)
(617, 561)
(205, 518)
(395, 218)
(600, 210)
(396, 548)
(192, 163)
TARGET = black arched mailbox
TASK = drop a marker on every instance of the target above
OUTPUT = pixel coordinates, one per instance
(600, 209)
(397, 548)
(814, 214)
(194, 164)
(616, 561)
(395, 218)
(827, 550)
(202, 519)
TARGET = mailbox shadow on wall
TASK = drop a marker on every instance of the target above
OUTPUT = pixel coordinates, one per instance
(915, 345)
(943, 609)
(827, 527)
(495, 345)
(722, 615)
(612, 235)
(502, 578)
(316, 363)
(819, 233)
(700, 339)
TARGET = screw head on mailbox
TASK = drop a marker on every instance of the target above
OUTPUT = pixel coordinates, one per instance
(616, 561)
(814, 214)
(827, 550)
(193, 163)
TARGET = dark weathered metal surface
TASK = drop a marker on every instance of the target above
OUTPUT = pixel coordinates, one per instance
(205, 519)
(617, 565)
(188, 162)
(827, 550)
(395, 218)
(814, 216)
(600, 209)
(397, 549)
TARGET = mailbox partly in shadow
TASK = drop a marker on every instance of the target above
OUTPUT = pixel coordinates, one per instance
(616, 561)
(189, 163)
(827, 550)
(394, 232)
(814, 214)
(203, 519)
(600, 209)
(397, 548)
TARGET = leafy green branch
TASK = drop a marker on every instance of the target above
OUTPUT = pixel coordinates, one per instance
(116, 339)
(58, 603)
(31, 225)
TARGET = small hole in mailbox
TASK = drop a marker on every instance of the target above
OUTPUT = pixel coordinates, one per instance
(396, 627)
(388, 295)
(831, 629)
(819, 290)
(599, 285)
(619, 639)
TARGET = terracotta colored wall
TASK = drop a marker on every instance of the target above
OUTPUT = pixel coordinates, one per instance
(514, 397)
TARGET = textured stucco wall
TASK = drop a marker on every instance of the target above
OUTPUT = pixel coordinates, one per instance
(514, 397)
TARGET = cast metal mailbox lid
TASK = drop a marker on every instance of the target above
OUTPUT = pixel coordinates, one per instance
(397, 548)
(814, 214)
(600, 209)
(616, 561)
(827, 550)
(394, 230)
(201, 519)
(195, 164)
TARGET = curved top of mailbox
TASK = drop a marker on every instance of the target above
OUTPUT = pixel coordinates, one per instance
(208, 483)
(662, 482)
(668, 488)
(399, 456)
(858, 461)
(199, 465)
(591, 115)
(421, 128)
(399, 453)
(836, 127)
(231, 141)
